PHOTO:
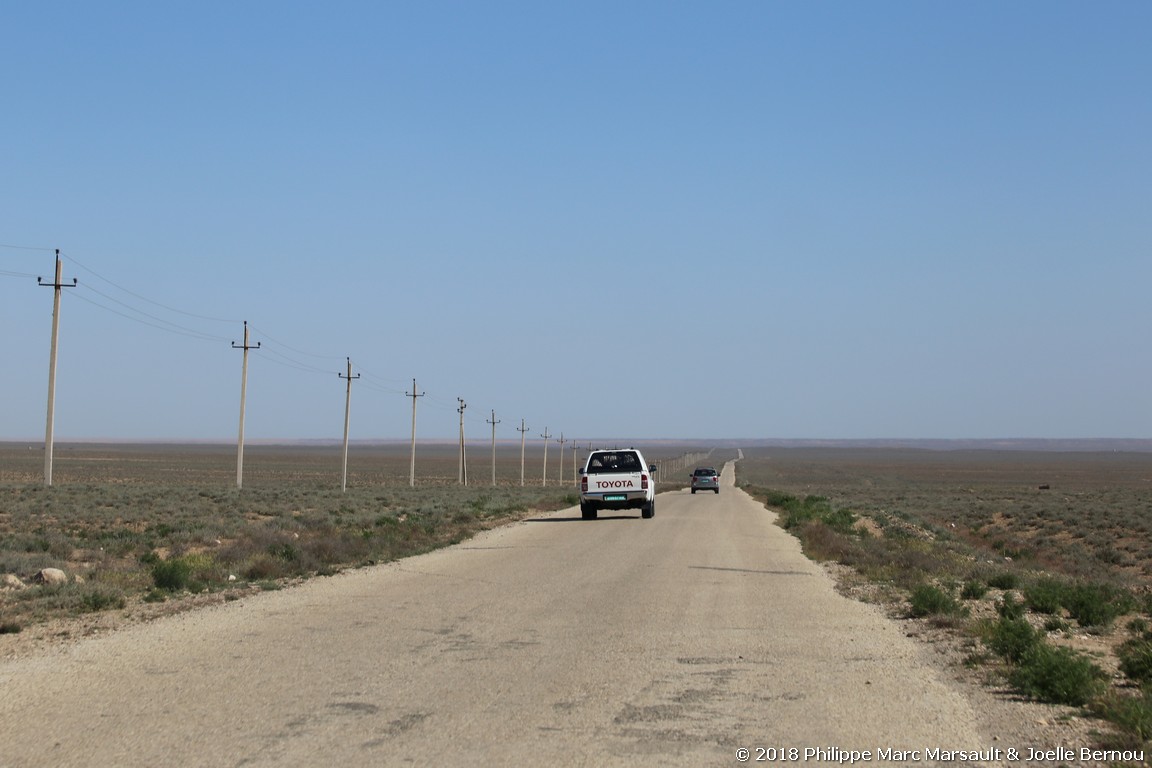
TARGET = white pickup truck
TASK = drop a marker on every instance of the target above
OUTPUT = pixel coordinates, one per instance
(618, 478)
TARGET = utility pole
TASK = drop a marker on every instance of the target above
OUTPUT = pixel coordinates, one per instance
(494, 421)
(545, 436)
(562, 441)
(50, 427)
(575, 461)
(521, 429)
(463, 478)
(243, 395)
(347, 410)
(412, 464)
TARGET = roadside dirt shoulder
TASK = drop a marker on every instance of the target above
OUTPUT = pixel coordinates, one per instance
(1005, 719)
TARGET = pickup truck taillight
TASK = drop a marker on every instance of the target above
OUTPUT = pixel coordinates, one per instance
(584, 484)
(644, 482)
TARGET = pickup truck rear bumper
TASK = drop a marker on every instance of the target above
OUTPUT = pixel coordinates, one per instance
(620, 500)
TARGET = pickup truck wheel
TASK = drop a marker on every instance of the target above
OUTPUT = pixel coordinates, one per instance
(587, 511)
(717, 491)
(693, 490)
(648, 510)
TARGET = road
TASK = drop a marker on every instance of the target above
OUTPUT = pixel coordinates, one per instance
(554, 641)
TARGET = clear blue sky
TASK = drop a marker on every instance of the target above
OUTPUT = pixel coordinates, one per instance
(612, 219)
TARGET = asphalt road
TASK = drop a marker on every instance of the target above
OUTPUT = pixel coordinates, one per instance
(555, 641)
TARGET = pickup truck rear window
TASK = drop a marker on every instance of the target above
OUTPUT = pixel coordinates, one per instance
(624, 461)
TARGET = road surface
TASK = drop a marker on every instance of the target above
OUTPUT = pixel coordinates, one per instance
(675, 641)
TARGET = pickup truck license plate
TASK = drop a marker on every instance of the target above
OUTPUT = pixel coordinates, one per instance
(615, 497)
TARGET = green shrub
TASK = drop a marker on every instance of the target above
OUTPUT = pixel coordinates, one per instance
(797, 512)
(1136, 659)
(10, 628)
(930, 600)
(1057, 675)
(1010, 608)
(96, 599)
(1097, 605)
(172, 575)
(1131, 714)
(973, 590)
(1012, 638)
(840, 520)
(1045, 595)
(1003, 580)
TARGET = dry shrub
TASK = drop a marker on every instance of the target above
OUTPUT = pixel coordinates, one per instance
(823, 543)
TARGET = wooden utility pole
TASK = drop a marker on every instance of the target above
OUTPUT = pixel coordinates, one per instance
(575, 462)
(494, 421)
(545, 436)
(521, 429)
(347, 410)
(463, 478)
(561, 440)
(50, 427)
(412, 463)
(243, 396)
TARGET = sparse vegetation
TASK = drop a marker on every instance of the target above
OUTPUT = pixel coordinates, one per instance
(1136, 659)
(1011, 638)
(930, 600)
(1036, 569)
(973, 589)
(156, 522)
(1057, 675)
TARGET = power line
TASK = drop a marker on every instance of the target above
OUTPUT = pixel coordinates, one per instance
(26, 248)
(167, 324)
(190, 333)
(145, 298)
(297, 351)
(288, 362)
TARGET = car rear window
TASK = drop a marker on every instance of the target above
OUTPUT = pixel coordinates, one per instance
(701, 472)
(621, 461)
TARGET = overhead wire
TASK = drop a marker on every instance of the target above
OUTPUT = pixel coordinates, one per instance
(269, 337)
(183, 332)
(73, 260)
(166, 323)
(10, 273)
(26, 247)
(289, 362)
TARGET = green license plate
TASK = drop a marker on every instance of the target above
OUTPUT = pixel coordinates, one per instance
(615, 497)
